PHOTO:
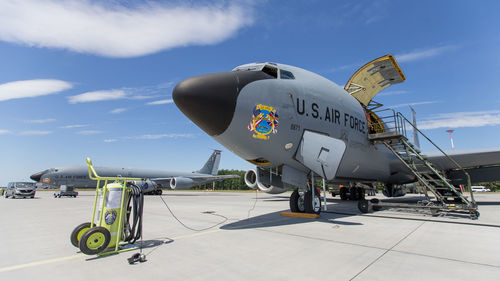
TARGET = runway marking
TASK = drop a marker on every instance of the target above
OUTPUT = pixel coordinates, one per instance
(49, 261)
(9, 268)
(43, 262)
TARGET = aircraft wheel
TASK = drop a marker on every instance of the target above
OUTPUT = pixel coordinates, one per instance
(375, 201)
(308, 204)
(94, 240)
(343, 193)
(296, 202)
(78, 232)
(364, 206)
(353, 193)
(159, 192)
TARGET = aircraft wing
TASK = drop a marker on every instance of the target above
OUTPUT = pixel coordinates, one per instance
(483, 165)
(197, 179)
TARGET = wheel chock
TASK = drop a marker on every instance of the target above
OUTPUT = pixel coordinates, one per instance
(300, 215)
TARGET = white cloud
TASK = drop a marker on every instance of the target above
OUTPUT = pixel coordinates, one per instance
(160, 136)
(413, 104)
(35, 133)
(423, 54)
(40, 121)
(88, 132)
(113, 30)
(118, 110)
(110, 140)
(4, 132)
(32, 88)
(160, 102)
(461, 119)
(98, 96)
(74, 126)
(391, 93)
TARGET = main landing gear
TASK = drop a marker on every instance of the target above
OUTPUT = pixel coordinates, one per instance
(302, 201)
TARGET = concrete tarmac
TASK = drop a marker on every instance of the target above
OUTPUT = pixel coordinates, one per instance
(242, 236)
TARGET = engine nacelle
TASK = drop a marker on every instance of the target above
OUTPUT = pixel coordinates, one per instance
(181, 183)
(147, 186)
(263, 180)
(251, 179)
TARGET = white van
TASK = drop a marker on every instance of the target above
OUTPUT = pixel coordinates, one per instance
(480, 189)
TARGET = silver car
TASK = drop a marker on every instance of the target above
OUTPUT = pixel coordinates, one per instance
(20, 189)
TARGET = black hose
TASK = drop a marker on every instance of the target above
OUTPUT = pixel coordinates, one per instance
(135, 211)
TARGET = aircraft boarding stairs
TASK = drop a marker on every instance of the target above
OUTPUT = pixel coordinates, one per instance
(389, 129)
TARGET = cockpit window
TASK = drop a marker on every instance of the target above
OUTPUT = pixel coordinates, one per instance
(271, 70)
(286, 74)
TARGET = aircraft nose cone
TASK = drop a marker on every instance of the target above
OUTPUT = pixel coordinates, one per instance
(37, 176)
(208, 100)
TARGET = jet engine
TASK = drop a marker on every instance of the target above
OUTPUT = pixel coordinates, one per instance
(265, 180)
(181, 183)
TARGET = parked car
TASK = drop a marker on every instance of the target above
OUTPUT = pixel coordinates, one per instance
(480, 189)
(20, 189)
(65, 190)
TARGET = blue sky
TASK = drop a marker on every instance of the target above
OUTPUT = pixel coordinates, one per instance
(94, 78)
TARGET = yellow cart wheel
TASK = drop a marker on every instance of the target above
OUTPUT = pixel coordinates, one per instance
(78, 232)
(94, 240)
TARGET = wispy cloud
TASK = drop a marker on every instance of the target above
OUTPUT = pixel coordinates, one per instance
(114, 30)
(413, 104)
(89, 132)
(74, 126)
(110, 140)
(118, 110)
(4, 132)
(97, 96)
(35, 133)
(160, 102)
(40, 121)
(160, 136)
(130, 93)
(31, 88)
(423, 53)
(391, 93)
(461, 119)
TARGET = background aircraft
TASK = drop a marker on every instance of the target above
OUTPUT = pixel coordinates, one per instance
(78, 176)
(294, 124)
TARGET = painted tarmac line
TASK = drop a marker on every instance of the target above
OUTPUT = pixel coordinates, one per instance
(43, 262)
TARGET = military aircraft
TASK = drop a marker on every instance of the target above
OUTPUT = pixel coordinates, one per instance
(77, 176)
(294, 125)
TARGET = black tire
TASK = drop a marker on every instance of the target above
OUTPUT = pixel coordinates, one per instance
(159, 192)
(364, 206)
(78, 232)
(94, 240)
(343, 193)
(308, 205)
(294, 200)
(375, 201)
(353, 193)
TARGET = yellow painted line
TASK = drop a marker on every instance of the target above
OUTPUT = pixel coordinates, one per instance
(31, 264)
(300, 215)
(9, 268)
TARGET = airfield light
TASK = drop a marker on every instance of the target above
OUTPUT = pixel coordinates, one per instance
(451, 138)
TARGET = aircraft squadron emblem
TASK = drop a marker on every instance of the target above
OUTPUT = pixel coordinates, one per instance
(264, 121)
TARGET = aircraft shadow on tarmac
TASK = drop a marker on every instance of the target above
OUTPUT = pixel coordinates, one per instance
(275, 219)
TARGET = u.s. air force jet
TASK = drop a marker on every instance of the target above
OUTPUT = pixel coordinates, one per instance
(294, 124)
(78, 176)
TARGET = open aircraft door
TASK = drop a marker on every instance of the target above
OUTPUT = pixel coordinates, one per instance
(369, 80)
(320, 153)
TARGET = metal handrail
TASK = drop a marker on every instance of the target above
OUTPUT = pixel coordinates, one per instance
(400, 121)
